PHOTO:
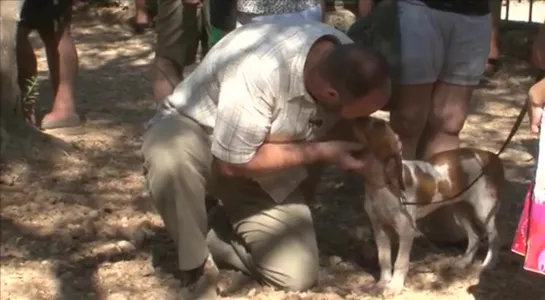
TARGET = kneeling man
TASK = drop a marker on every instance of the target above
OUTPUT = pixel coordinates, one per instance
(263, 107)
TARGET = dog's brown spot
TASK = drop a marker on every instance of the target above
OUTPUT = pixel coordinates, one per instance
(426, 186)
(492, 166)
(459, 181)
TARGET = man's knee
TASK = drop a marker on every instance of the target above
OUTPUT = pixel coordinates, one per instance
(287, 255)
(176, 143)
(450, 109)
(301, 273)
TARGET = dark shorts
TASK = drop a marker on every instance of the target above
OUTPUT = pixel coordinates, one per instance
(36, 14)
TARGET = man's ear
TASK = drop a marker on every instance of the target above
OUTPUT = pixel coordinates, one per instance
(332, 95)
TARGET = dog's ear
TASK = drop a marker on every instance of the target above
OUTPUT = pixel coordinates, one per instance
(364, 129)
(361, 135)
(393, 170)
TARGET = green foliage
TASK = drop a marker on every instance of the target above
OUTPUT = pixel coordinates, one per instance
(31, 94)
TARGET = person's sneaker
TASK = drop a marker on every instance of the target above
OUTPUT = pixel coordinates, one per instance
(205, 285)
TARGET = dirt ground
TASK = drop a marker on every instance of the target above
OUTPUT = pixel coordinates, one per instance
(77, 223)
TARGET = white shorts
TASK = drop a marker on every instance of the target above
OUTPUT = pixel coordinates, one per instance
(314, 13)
(438, 45)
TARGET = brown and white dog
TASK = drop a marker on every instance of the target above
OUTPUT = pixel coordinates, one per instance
(466, 179)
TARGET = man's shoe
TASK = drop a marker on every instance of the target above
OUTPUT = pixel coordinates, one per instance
(205, 285)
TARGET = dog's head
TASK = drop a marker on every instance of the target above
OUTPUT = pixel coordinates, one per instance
(379, 139)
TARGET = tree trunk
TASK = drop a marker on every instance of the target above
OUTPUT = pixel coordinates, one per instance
(14, 130)
(11, 116)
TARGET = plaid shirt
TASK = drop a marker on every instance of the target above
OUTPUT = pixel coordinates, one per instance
(272, 7)
(249, 90)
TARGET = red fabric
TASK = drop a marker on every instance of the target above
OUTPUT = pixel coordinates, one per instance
(529, 240)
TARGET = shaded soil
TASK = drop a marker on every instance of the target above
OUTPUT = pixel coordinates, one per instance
(77, 224)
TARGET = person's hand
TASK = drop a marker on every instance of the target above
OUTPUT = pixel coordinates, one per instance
(340, 153)
(399, 145)
(536, 98)
(535, 113)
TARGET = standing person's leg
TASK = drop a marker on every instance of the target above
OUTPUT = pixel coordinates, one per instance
(177, 35)
(177, 169)
(493, 56)
(273, 242)
(422, 56)
(27, 68)
(141, 17)
(62, 60)
(466, 53)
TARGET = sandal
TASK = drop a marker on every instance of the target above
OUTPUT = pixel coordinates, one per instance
(141, 28)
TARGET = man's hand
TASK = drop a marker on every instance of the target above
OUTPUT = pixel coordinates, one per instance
(339, 153)
(536, 96)
(399, 146)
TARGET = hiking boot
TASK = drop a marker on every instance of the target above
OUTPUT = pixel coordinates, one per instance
(204, 284)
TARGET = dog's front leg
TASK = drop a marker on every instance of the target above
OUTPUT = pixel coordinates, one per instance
(401, 266)
(384, 251)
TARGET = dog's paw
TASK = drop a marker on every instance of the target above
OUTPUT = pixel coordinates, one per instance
(392, 289)
(387, 289)
(379, 287)
(463, 263)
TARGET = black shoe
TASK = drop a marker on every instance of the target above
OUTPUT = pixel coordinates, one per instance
(204, 284)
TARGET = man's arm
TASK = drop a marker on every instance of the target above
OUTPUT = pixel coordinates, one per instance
(245, 113)
(273, 157)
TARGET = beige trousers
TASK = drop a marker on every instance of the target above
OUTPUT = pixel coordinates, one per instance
(275, 243)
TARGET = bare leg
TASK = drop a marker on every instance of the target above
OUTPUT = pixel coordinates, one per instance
(141, 14)
(62, 59)
(448, 115)
(177, 37)
(495, 7)
(27, 71)
(409, 117)
(167, 76)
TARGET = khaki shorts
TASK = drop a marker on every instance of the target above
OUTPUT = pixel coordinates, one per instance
(178, 31)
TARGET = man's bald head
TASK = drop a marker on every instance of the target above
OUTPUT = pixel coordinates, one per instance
(354, 70)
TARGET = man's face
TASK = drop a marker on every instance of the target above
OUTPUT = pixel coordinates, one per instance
(368, 104)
